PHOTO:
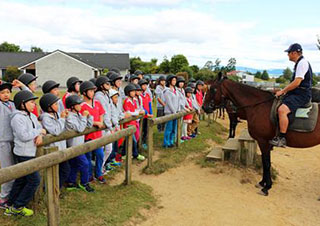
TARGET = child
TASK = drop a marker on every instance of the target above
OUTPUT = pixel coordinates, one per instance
(138, 100)
(51, 86)
(130, 106)
(134, 79)
(73, 85)
(54, 123)
(6, 138)
(160, 103)
(103, 86)
(28, 82)
(190, 127)
(95, 109)
(187, 119)
(171, 99)
(182, 96)
(27, 135)
(147, 107)
(199, 99)
(76, 121)
(116, 81)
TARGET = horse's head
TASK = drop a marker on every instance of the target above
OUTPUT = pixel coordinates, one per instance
(214, 96)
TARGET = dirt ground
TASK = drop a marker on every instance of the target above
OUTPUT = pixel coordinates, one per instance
(190, 195)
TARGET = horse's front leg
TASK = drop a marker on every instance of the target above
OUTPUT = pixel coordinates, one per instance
(266, 183)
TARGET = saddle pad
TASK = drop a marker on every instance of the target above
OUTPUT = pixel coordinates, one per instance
(298, 124)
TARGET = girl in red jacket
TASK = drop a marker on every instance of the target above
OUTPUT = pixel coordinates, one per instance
(187, 119)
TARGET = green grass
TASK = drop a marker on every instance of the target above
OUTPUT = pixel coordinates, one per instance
(172, 157)
(109, 205)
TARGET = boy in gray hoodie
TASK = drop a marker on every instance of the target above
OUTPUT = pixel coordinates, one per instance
(6, 138)
(27, 135)
(54, 123)
(76, 121)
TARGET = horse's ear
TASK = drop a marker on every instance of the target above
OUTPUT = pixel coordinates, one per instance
(220, 76)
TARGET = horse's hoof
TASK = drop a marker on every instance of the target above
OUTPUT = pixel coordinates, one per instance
(263, 192)
(258, 185)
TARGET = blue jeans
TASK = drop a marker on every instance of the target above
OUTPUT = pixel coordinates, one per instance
(79, 163)
(99, 160)
(170, 133)
(135, 151)
(64, 171)
(23, 188)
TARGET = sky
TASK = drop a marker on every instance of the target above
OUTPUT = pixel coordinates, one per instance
(255, 32)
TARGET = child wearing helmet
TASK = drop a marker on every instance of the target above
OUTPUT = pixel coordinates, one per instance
(130, 106)
(187, 119)
(78, 122)
(28, 82)
(27, 135)
(73, 85)
(198, 94)
(52, 87)
(6, 138)
(87, 89)
(160, 103)
(54, 123)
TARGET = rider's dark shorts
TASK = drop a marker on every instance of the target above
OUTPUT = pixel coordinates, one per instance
(294, 101)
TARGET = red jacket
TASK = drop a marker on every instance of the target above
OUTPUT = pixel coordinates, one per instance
(96, 111)
(130, 106)
(190, 116)
(64, 99)
(146, 102)
(199, 98)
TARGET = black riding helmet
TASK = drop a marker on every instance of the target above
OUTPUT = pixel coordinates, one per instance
(47, 100)
(180, 79)
(49, 85)
(27, 78)
(199, 82)
(188, 89)
(22, 97)
(162, 78)
(192, 85)
(192, 80)
(85, 86)
(71, 82)
(73, 100)
(133, 77)
(6, 85)
(142, 82)
(138, 72)
(93, 80)
(102, 80)
(169, 78)
(109, 74)
(114, 77)
(138, 87)
(130, 87)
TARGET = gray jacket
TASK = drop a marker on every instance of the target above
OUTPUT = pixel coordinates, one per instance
(117, 115)
(159, 94)
(195, 104)
(182, 99)
(5, 128)
(105, 101)
(25, 129)
(78, 123)
(172, 101)
(54, 127)
(60, 106)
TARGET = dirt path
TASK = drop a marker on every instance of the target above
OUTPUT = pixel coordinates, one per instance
(190, 195)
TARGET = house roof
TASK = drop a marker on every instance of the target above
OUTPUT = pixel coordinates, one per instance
(95, 60)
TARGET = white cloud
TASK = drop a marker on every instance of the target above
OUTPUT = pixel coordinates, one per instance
(198, 35)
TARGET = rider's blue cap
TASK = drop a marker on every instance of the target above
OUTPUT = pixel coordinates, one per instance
(294, 47)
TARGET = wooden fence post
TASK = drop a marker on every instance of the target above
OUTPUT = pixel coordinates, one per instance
(150, 142)
(140, 132)
(40, 191)
(53, 191)
(128, 159)
(178, 131)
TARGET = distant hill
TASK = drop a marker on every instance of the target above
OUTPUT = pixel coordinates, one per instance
(272, 72)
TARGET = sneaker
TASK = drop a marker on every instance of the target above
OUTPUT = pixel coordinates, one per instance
(4, 204)
(86, 187)
(183, 138)
(181, 141)
(108, 167)
(22, 211)
(278, 141)
(189, 138)
(115, 163)
(145, 146)
(101, 180)
(141, 157)
(71, 187)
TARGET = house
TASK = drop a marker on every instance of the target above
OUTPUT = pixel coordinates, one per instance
(245, 77)
(59, 65)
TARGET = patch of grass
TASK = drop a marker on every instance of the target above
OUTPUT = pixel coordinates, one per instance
(109, 205)
(172, 157)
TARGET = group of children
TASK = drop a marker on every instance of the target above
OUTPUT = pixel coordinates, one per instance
(100, 103)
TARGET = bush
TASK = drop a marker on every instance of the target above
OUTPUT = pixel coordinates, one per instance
(205, 75)
(11, 73)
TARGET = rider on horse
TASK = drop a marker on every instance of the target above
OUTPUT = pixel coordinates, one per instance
(297, 94)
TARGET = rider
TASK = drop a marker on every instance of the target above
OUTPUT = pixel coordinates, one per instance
(296, 94)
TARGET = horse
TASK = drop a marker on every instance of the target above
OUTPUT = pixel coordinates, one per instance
(256, 105)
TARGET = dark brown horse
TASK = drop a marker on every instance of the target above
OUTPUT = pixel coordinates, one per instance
(256, 105)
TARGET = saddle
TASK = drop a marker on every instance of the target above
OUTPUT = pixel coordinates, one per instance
(303, 120)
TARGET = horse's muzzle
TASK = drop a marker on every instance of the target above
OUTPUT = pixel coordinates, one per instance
(208, 109)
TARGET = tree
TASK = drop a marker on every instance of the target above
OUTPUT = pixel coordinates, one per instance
(164, 67)
(258, 75)
(9, 47)
(281, 79)
(208, 65)
(216, 65)
(177, 63)
(135, 64)
(205, 74)
(11, 73)
(188, 70)
(265, 75)
(287, 73)
(194, 68)
(231, 66)
(35, 49)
